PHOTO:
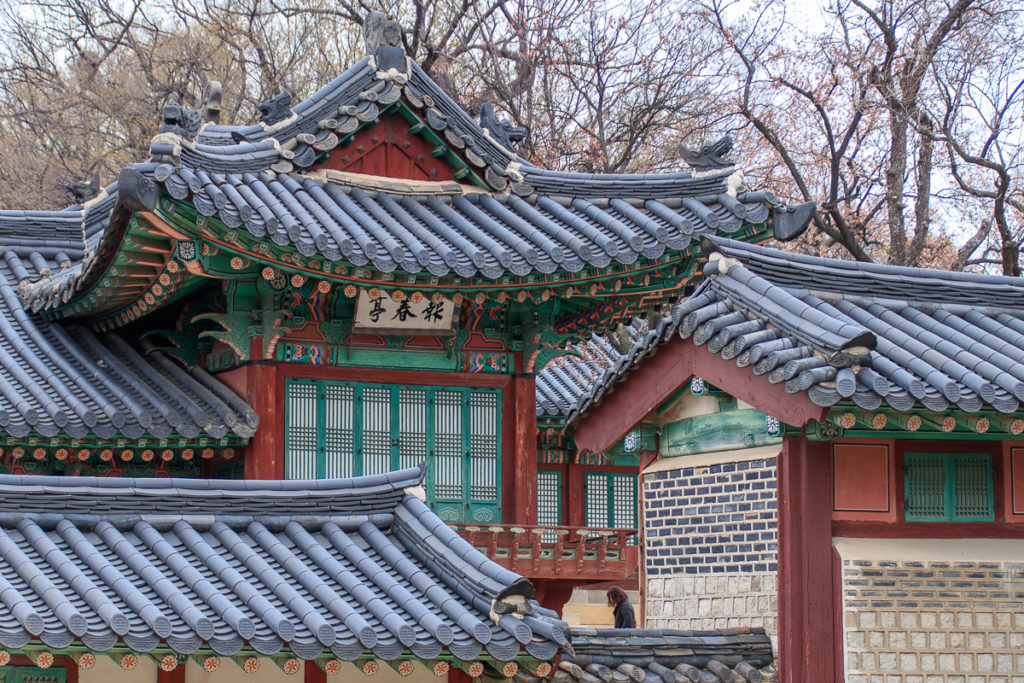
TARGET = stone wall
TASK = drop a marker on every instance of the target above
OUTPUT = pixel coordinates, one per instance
(933, 611)
(711, 540)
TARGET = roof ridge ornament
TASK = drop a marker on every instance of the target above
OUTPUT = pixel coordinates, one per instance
(501, 131)
(84, 191)
(277, 109)
(710, 156)
(211, 102)
(383, 40)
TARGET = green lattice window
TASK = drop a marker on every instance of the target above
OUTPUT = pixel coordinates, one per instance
(32, 674)
(611, 500)
(549, 498)
(344, 429)
(956, 487)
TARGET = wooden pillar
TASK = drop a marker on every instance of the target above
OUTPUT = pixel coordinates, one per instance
(806, 605)
(264, 456)
(575, 498)
(313, 673)
(524, 390)
(177, 675)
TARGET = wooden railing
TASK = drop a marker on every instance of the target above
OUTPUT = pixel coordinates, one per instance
(557, 552)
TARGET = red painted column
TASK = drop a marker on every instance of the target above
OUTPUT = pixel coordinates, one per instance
(264, 456)
(313, 673)
(177, 675)
(524, 389)
(575, 504)
(807, 642)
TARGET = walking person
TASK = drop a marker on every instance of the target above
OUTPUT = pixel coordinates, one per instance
(623, 608)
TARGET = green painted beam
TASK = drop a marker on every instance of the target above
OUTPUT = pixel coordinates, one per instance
(716, 432)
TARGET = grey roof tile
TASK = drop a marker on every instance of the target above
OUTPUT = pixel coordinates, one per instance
(840, 330)
(349, 565)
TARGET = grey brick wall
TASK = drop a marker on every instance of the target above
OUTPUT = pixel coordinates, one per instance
(711, 546)
(933, 621)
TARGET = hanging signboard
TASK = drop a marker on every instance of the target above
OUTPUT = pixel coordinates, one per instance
(384, 315)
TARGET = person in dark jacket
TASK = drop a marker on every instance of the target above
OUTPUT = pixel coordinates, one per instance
(623, 608)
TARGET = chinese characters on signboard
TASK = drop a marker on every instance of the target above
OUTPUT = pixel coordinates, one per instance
(385, 315)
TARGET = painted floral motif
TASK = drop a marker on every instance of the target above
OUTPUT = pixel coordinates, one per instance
(406, 668)
(510, 669)
(44, 660)
(1017, 427)
(879, 421)
(323, 286)
(371, 667)
(207, 453)
(169, 663)
(982, 425)
(298, 280)
(129, 662)
(83, 454)
(332, 668)
(211, 664)
(172, 266)
(949, 424)
(398, 295)
(847, 420)
(236, 263)
(5, 657)
(350, 291)
(167, 455)
(187, 454)
(416, 297)
(127, 455)
(147, 455)
(291, 666)
(251, 665)
(374, 293)
(476, 669)
(268, 273)
(39, 454)
(543, 669)
(442, 668)
(165, 279)
(228, 453)
(87, 660)
(913, 423)
(61, 454)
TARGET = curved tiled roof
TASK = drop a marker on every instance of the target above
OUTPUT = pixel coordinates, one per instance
(564, 380)
(611, 655)
(343, 566)
(61, 378)
(530, 220)
(851, 331)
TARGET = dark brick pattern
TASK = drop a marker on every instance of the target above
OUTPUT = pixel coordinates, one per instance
(712, 519)
(947, 622)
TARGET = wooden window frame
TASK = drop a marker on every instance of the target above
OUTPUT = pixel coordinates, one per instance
(475, 507)
(950, 486)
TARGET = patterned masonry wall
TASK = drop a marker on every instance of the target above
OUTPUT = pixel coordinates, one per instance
(711, 546)
(934, 622)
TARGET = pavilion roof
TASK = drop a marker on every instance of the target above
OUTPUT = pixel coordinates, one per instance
(338, 568)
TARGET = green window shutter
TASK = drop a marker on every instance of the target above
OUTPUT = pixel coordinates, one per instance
(301, 439)
(376, 447)
(925, 487)
(343, 429)
(597, 504)
(412, 427)
(448, 444)
(957, 487)
(483, 446)
(32, 674)
(549, 498)
(339, 402)
(973, 498)
(624, 501)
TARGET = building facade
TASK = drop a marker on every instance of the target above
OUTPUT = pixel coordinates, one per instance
(839, 460)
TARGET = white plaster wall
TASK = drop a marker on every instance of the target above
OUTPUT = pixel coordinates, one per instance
(106, 670)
